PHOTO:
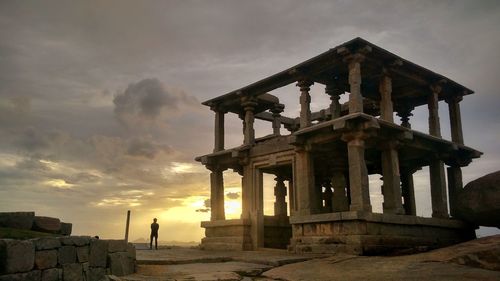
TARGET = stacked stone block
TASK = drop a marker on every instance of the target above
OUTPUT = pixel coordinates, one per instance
(71, 258)
(28, 221)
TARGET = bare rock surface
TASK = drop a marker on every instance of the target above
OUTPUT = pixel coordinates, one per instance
(474, 260)
(479, 202)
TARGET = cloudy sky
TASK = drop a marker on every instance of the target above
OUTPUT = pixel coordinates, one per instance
(100, 100)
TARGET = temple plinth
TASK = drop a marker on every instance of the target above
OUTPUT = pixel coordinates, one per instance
(321, 167)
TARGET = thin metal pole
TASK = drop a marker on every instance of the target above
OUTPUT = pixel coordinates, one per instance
(127, 226)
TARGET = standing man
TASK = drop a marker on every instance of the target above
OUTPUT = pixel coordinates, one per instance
(154, 234)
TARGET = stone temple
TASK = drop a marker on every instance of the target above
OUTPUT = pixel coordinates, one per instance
(322, 166)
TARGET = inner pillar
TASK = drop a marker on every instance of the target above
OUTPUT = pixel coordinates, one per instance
(216, 193)
(280, 206)
(327, 197)
(434, 126)
(408, 192)
(391, 189)
(340, 201)
(334, 92)
(277, 110)
(219, 130)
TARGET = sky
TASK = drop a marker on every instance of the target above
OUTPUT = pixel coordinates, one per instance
(100, 100)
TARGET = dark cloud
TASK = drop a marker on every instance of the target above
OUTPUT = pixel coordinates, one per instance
(146, 148)
(206, 204)
(146, 100)
(233, 195)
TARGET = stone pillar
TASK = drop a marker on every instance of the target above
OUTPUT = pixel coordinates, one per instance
(276, 110)
(247, 191)
(327, 197)
(455, 185)
(334, 92)
(391, 189)
(307, 196)
(291, 196)
(340, 202)
(405, 113)
(305, 100)
(408, 192)
(355, 97)
(216, 193)
(438, 189)
(358, 173)
(280, 206)
(434, 126)
(249, 132)
(386, 108)
(219, 130)
(455, 119)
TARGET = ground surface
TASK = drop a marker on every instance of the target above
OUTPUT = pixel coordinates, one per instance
(474, 260)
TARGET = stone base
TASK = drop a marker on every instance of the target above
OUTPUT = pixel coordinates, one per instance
(277, 232)
(363, 233)
(226, 235)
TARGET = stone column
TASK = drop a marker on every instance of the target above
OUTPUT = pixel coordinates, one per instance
(308, 198)
(358, 173)
(305, 100)
(276, 110)
(386, 108)
(327, 197)
(455, 185)
(391, 189)
(291, 196)
(408, 192)
(455, 119)
(249, 132)
(355, 97)
(216, 193)
(280, 206)
(438, 189)
(434, 126)
(219, 130)
(334, 92)
(405, 113)
(247, 191)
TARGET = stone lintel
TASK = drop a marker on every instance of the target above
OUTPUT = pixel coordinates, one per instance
(219, 223)
(381, 218)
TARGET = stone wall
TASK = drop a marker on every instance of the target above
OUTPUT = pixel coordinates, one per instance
(71, 258)
(28, 221)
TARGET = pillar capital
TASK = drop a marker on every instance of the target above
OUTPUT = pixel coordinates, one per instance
(217, 108)
(453, 99)
(277, 109)
(304, 84)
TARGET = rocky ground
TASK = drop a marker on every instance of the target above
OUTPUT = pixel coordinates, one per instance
(474, 260)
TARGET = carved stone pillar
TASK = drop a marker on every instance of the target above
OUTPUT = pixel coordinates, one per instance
(249, 132)
(280, 206)
(277, 110)
(334, 92)
(405, 113)
(408, 191)
(455, 119)
(391, 189)
(358, 173)
(308, 198)
(434, 126)
(219, 129)
(386, 108)
(438, 189)
(216, 193)
(305, 100)
(455, 185)
(340, 200)
(355, 97)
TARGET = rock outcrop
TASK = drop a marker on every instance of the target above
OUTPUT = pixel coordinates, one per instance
(479, 202)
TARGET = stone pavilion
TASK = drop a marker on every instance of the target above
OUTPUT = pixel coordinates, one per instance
(322, 165)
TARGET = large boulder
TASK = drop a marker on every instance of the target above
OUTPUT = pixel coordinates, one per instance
(16, 256)
(19, 220)
(47, 224)
(479, 202)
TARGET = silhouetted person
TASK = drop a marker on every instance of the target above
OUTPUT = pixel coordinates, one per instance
(154, 234)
